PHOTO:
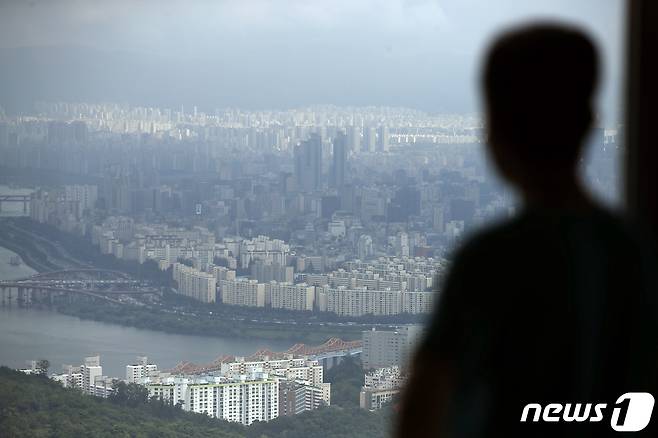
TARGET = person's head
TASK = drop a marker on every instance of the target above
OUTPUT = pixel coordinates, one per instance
(538, 84)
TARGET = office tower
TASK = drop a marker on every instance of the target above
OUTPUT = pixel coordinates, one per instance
(364, 247)
(80, 132)
(4, 134)
(369, 139)
(438, 220)
(58, 132)
(308, 164)
(354, 138)
(383, 139)
(402, 244)
(340, 159)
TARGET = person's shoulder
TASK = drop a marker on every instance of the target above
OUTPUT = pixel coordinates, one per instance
(617, 228)
(488, 242)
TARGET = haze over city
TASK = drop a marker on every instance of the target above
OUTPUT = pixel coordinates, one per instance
(247, 210)
(422, 54)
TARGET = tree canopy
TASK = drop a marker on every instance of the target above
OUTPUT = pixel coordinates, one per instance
(31, 406)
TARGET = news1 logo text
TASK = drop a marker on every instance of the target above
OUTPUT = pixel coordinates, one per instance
(630, 413)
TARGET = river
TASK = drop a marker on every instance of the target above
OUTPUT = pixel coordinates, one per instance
(27, 334)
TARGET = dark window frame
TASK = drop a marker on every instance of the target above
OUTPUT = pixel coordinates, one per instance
(641, 130)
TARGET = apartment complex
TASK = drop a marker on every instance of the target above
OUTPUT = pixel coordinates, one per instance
(270, 251)
(289, 368)
(87, 377)
(243, 400)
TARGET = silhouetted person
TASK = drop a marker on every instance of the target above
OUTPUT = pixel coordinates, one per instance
(555, 306)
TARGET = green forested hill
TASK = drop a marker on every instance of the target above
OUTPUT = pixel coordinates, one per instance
(33, 406)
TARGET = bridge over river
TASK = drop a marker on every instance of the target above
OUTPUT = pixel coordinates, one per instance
(328, 354)
(98, 284)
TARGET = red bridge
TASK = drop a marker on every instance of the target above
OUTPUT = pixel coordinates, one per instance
(329, 353)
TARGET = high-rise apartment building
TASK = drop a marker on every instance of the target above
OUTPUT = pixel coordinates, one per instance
(383, 349)
(272, 251)
(243, 400)
(359, 301)
(87, 195)
(242, 292)
(141, 369)
(291, 296)
(194, 283)
(265, 272)
(91, 370)
(298, 396)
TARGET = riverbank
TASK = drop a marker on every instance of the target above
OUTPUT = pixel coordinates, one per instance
(33, 333)
(170, 315)
(40, 253)
(9, 271)
(175, 322)
(32, 258)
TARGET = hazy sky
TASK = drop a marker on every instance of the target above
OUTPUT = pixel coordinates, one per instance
(273, 53)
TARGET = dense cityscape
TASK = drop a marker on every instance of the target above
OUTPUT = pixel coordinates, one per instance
(342, 219)
(238, 219)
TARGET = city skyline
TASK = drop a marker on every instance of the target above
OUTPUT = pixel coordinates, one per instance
(246, 219)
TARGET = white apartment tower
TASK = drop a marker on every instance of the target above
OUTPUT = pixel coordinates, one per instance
(140, 370)
(243, 400)
(291, 296)
(194, 283)
(242, 292)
